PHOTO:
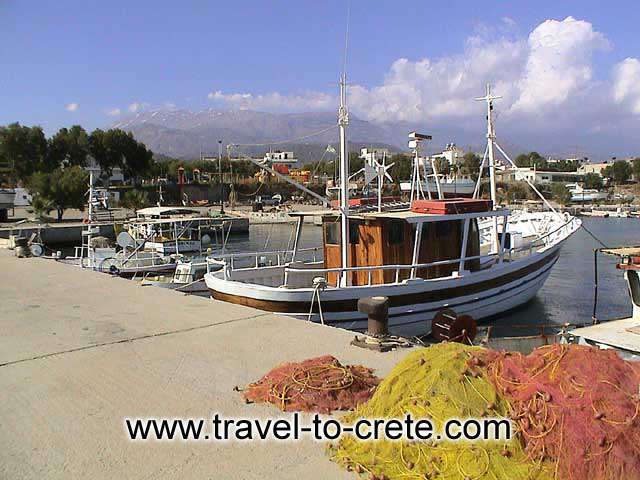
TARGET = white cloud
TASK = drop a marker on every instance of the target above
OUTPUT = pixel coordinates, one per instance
(72, 107)
(558, 63)
(136, 107)
(311, 101)
(114, 112)
(626, 84)
(547, 80)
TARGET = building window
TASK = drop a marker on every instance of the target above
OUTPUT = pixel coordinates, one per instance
(395, 233)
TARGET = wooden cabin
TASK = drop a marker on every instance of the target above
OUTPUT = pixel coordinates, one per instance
(388, 238)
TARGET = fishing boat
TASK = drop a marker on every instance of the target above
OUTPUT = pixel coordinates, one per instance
(168, 230)
(436, 253)
(94, 252)
(623, 334)
(580, 194)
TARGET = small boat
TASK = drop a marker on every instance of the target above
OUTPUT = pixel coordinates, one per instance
(188, 278)
(622, 334)
(579, 194)
(168, 230)
(129, 262)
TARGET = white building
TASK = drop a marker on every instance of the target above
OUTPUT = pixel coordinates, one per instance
(373, 155)
(533, 175)
(452, 153)
(597, 168)
(280, 157)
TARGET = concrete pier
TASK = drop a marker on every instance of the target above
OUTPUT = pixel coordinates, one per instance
(80, 350)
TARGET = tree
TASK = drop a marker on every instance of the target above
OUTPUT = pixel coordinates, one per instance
(70, 146)
(635, 168)
(402, 167)
(442, 165)
(24, 151)
(561, 193)
(135, 199)
(355, 162)
(593, 180)
(531, 159)
(619, 172)
(117, 148)
(59, 190)
(471, 165)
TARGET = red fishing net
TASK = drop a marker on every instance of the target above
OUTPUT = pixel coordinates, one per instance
(319, 384)
(575, 405)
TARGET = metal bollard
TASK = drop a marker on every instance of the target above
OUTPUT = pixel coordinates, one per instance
(377, 310)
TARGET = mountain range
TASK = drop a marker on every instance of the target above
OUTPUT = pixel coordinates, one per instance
(185, 134)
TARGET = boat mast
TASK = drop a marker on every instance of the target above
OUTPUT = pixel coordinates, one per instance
(488, 98)
(343, 121)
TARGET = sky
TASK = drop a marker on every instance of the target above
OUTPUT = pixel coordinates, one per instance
(568, 71)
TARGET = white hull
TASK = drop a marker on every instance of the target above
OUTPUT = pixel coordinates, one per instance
(480, 302)
(589, 197)
(7, 198)
(198, 288)
(169, 247)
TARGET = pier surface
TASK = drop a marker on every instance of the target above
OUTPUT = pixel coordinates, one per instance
(80, 350)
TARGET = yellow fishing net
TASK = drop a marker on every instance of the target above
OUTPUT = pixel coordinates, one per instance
(436, 383)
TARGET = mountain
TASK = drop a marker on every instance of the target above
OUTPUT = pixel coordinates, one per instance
(184, 134)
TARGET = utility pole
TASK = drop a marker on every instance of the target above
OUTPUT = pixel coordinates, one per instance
(220, 175)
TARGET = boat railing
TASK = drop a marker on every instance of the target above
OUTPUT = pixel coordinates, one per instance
(413, 268)
(370, 269)
(257, 259)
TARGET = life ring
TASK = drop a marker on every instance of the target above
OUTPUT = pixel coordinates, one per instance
(86, 220)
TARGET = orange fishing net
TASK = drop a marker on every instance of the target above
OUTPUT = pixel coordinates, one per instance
(319, 384)
(575, 405)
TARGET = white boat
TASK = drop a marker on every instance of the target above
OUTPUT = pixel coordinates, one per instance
(131, 261)
(168, 230)
(421, 258)
(7, 197)
(622, 335)
(188, 278)
(579, 194)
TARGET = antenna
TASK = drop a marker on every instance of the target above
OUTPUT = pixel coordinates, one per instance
(346, 40)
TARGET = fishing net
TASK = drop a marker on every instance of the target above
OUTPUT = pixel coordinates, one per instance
(319, 384)
(575, 405)
(437, 383)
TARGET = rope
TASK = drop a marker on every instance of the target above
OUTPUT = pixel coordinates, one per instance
(602, 244)
(291, 140)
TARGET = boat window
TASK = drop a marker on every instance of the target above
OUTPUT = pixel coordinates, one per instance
(634, 286)
(353, 233)
(396, 233)
(332, 233)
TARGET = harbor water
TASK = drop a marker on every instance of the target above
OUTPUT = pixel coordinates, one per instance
(566, 297)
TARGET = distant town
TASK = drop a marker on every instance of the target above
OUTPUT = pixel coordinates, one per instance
(50, 174)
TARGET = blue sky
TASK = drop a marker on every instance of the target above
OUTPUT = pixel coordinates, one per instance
(82, 62)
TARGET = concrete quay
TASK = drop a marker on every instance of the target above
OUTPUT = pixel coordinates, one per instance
(80, 350)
